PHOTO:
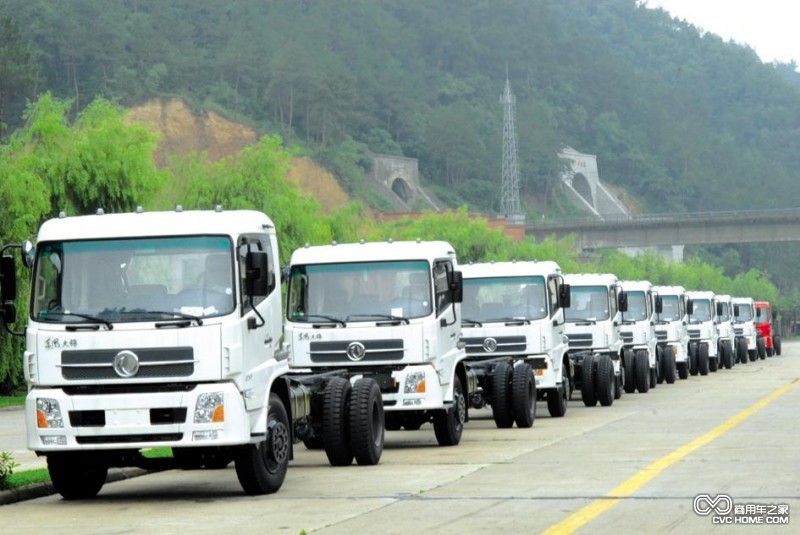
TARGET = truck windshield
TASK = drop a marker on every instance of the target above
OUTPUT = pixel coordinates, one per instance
(145, 279)
(745, 313)
(701, 311)
(359, 291)
(670, 310)
(637, 307)
(588, 303)
(504, 298)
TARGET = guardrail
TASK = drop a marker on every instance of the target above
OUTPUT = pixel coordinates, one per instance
(671, 217)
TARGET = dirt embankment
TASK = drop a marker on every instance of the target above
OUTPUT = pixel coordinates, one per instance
(182, 130)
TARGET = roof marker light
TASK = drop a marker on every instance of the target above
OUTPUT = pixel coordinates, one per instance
(179, 208)
(218, 208)
(139, 210)
(62, 214)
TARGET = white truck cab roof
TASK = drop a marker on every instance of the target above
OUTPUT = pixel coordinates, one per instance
(373, 252)
(509, 269)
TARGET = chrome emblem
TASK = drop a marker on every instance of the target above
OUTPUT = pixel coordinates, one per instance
(126, 363)
(356, 351)
(490, 345)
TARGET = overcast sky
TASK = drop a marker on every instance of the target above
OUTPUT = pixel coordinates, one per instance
(770, 27)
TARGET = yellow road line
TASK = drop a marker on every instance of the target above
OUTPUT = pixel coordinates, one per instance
(585, 514)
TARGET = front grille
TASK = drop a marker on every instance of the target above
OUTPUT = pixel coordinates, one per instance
(374, 351)
(129, 439)
(580, 340)
(661, 336)
(504, 344)
(738, 331)
(93, 364)
(627, 337)
(694, 334)
(95, 390)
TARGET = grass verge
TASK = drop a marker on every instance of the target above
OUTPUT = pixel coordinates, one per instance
(25, 478)
(17, 400)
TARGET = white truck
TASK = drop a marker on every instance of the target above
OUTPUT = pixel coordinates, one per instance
(163, 329)
(726, 338)
(389, 311)
(744, 329)
(703, 335)
(513, 326)
(639, 336)
(672, 332)
(593, 329)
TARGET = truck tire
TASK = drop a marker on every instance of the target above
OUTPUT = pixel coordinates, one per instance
(727, 355)
(716, 362)
(501, 395)
(366, 422)
(588, 374)
(523, 395)
(261, 468)
(661, 364)
(694, 359)
(313, 443)
(702, 359)
(761, 347)
(557, 399)
(76, 476)
(641, 368)
(669, 367)
(753, 353)
(336, 422)
(605, 380)
(776, 343)
(741, 351)
(683, 370)
(448, 424)
(629, 369)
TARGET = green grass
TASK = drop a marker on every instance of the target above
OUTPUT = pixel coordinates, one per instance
(17, 400)
(157, 453)
(26, 477)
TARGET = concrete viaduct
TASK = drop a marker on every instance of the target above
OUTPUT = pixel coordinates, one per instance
(674, 229)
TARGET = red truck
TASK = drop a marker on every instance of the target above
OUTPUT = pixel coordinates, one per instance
(769, 341)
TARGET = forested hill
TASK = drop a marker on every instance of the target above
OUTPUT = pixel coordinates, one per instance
(683, 120)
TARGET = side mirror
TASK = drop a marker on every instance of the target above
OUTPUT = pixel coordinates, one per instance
(689, 306)
(285, 272)
(256, 279)
(623, 301)
(564, 296)
(659, 305)
(735, 310)
(28, 254)
(8, 279)
(719, 309)
(457, 286)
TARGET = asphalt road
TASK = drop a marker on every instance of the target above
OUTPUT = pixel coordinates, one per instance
(637, 466)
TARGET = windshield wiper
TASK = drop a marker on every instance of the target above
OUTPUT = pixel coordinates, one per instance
(469, 321)
(180, 315)
(108, 325)
(582, 321)
(509, 321)
(382, 316)
(330, 319)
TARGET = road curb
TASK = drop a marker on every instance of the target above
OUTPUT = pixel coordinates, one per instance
(39, 490)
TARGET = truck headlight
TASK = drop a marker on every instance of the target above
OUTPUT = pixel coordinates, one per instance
(210, 408)
(48, 413)
(415, 383)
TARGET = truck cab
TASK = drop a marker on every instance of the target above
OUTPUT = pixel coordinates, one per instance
(672, 332)
(513, 326)
(726, 337)
(150, 330)
(744, 329)
(764, 324)
(639, 335)
(593, 319)
(390, 311)
(703, 335)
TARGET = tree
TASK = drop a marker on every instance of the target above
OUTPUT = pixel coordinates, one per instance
(19, 72)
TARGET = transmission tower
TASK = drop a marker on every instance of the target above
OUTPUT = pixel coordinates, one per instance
(509, 192)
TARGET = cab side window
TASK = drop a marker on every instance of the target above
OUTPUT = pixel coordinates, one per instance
(613, 296)
(552, 294)
(441, 287)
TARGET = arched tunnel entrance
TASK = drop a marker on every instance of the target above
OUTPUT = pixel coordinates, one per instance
(401, 189)
(581, 185)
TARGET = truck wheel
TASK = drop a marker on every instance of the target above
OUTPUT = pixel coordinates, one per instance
(335, 422)
(761, 347)
(683, 370)
(261, 468)
(76, 477)
(628, 368)
(669, 369)
(366, 422)
(776, 343)
(770, 350)
(715, 363)
(694, 360)
(702, 359)
(642, 370)
(523, 395)
(448, 424)
(557, 399)
(588, 374)
(741, 351)
(605, 380)
(313, 443)
(727, 355)
(661, 364)
(501, 395)
(753, 353)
